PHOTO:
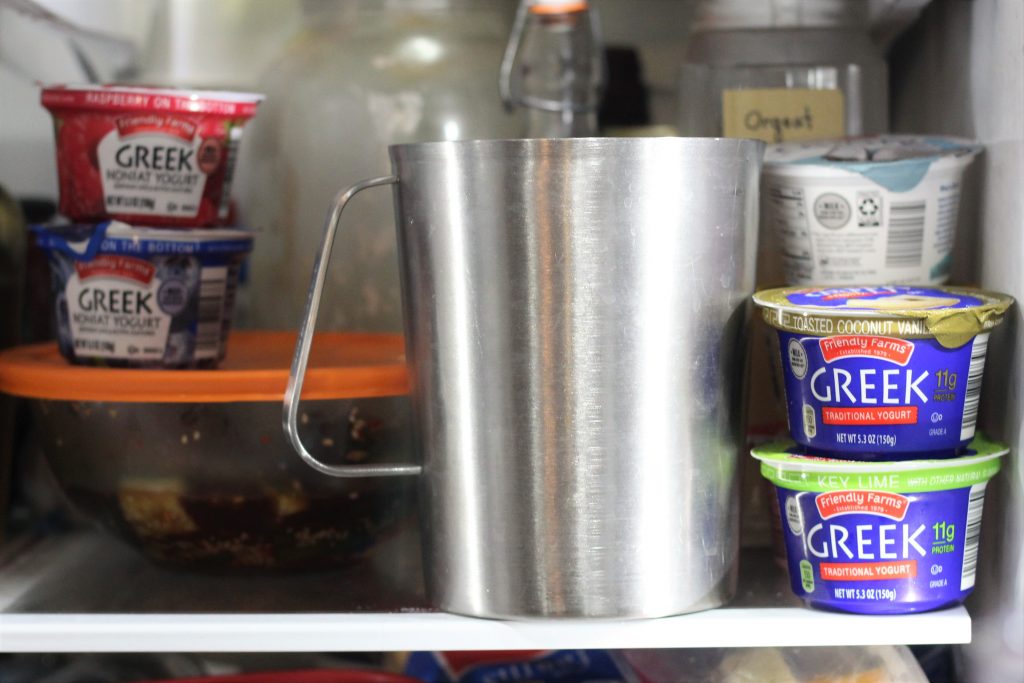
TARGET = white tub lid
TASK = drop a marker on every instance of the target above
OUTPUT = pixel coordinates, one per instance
(896, 162)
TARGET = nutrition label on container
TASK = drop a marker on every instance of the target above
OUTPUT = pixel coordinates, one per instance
(834, 234)
(856, 210)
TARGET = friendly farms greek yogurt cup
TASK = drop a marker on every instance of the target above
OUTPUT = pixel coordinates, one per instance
(143, 297)
(152, 156)
(881, 538)
(882, 373)
(866, 210)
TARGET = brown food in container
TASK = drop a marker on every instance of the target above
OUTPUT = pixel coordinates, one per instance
(193, 468)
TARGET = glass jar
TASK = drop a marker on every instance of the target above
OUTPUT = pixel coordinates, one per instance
(783, 70)
(778, 70)
(359, 75)
(553, 68)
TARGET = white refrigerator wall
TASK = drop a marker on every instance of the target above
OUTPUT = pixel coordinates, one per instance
(961, 71)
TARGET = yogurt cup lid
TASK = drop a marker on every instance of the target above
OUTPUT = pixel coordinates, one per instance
(342, 365)
(788, 465)
(896, 162)
(140, 98)
(953, 315)
(83, 241)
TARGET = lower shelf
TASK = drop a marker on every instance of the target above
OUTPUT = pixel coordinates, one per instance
(86, 593)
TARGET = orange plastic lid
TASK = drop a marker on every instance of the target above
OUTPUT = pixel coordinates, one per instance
(341, 365)
(558, 6)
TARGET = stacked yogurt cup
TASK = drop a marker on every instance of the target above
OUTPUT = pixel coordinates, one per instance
(880, 490)
(145, 272)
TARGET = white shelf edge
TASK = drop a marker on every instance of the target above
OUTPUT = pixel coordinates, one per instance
(761, 627)
(34, 616)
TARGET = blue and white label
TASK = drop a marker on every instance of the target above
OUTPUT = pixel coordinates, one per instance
(877, 397)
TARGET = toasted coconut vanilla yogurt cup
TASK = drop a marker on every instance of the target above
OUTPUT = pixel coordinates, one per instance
(882, 373)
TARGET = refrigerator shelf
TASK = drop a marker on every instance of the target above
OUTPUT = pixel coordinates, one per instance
(85, 593)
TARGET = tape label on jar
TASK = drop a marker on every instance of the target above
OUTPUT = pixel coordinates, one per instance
(780, 114)
(155, 165)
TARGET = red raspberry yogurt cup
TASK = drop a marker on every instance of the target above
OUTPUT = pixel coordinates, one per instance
(881, 537)
(162, 157)
(889, 372)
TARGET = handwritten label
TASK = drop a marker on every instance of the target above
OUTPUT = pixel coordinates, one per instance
(783, 114)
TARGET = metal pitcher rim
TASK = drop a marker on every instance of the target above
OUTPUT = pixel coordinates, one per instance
(541, 145)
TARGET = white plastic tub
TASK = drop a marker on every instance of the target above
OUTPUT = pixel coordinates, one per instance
(864, 211)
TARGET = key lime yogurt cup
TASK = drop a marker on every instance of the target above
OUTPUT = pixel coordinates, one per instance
(882, 373)
(882, 537)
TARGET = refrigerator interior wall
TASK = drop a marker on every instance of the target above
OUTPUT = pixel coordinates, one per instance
(960, 71)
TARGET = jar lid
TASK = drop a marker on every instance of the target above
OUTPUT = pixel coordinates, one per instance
(952, 315)
(341, 365)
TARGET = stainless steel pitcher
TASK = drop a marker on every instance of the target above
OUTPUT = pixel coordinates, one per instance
(574, 313)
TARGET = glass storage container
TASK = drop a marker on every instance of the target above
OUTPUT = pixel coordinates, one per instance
(783, 70)
(359, 76)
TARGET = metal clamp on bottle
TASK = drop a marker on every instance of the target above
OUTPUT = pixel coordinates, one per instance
(558, 47)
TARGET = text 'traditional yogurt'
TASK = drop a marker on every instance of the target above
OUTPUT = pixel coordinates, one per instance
(881, 538)
(882, 373)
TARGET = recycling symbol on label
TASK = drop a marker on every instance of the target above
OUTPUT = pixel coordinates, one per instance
(868, 206)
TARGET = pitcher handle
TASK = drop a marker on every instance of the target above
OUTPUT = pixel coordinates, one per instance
(297, 375)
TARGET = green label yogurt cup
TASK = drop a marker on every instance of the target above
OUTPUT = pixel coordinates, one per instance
(881, 538)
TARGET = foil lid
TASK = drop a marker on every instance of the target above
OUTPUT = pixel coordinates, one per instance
(952, 315)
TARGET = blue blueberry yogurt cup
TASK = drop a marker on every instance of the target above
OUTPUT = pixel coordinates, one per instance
(881, 537)
(882, 373)
(141, 297)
